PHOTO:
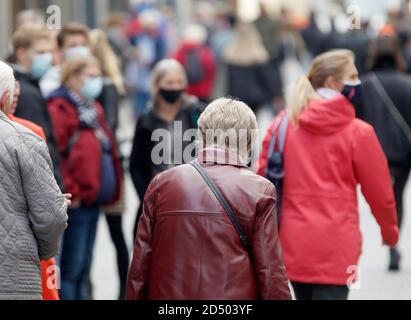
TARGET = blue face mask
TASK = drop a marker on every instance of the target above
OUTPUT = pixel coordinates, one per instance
(352, 89)
(92, 88)
(41, 64)
(77, 52)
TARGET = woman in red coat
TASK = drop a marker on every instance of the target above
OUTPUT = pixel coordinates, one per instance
(327, 153)
(90, 165)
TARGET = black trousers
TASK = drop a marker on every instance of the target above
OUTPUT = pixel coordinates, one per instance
(400, 178)
(304, 291)
(117, 236)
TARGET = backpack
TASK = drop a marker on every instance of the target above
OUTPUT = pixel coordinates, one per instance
(194, 67)
(275, 165)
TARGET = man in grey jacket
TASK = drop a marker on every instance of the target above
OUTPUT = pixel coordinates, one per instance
(33, 211)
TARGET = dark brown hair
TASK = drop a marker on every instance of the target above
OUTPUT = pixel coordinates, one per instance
(386, 49)
(72, 28)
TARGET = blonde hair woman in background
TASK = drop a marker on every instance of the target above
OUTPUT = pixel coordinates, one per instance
(110, 99)
(327, 153)
(249, 77)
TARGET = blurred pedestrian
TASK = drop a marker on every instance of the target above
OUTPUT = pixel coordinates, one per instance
(33, 51)
(199, 62)
(249, 77)
(172, 110)
(115, 29)
(326, 155)
(312, 35)
(151, 47)
(110, 97)
(187, 248)
(90, 164)
(33, 211)
(270, 30)
(72, 41)
(32, 18)
(385, 104)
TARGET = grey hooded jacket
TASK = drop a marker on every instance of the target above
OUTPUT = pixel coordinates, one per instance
(33, 211)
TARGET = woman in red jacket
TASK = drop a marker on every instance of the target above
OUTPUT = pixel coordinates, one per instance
(327, 153)
(90, 165)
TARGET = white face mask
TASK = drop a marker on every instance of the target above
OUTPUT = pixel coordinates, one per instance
(77, 52)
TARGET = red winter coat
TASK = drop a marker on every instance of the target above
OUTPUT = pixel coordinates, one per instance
(81, 170)
(204, 89)
(325, 157)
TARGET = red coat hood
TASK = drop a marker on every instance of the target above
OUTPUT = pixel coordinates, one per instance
(327, 116)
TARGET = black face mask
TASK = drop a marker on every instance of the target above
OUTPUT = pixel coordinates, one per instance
(171, 96)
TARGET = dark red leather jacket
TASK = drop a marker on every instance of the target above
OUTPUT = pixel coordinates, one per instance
(186, 246)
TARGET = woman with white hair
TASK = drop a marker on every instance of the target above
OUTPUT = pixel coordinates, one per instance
(212, 234)
(33, 210)
(172, 110)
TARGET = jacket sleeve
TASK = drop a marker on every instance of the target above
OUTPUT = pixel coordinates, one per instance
(139, 166)
(263, 159)
(109, 99)
(47, 208)
(62, 121)
(267, 252)
(140, 265)
(372, 172)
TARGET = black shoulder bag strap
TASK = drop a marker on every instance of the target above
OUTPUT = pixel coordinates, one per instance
(391, 106)
(230, 212)
(73, 139)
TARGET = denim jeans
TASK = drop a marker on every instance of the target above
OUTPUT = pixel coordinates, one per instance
(77, 252)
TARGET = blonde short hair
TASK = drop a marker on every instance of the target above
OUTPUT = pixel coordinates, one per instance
(228, 124)
(76, 66)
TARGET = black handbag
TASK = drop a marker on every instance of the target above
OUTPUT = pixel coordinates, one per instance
(230, 212)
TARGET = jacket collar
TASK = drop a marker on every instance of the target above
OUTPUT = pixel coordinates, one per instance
(3, 115)
(221, 157)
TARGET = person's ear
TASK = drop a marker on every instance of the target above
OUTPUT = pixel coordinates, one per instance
(331, 83)
(4, 102)
(21, 56)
